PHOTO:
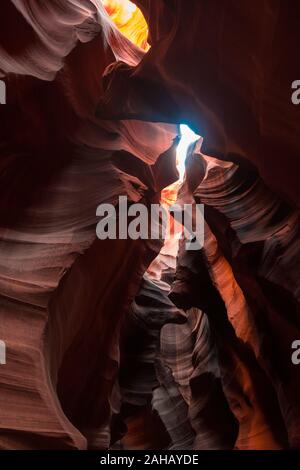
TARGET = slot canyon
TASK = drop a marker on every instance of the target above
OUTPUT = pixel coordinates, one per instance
(144, 344)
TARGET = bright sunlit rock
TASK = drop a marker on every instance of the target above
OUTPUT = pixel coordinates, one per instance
(129, 20)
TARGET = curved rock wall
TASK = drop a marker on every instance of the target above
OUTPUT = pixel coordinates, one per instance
(108, 344)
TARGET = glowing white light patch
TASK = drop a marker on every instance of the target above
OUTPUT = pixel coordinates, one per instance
(187, 138)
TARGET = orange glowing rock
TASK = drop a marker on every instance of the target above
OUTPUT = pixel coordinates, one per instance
(129, 20)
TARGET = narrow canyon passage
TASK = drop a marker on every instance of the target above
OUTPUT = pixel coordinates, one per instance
(183, 342)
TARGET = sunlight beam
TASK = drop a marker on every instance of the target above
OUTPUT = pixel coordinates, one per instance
(187, 138)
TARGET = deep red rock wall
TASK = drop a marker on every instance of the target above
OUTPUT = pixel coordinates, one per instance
(101, 353)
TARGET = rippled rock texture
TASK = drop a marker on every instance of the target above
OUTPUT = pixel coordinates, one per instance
(123, 343)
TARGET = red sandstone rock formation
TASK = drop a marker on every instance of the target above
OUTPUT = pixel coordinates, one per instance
(104, 351)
